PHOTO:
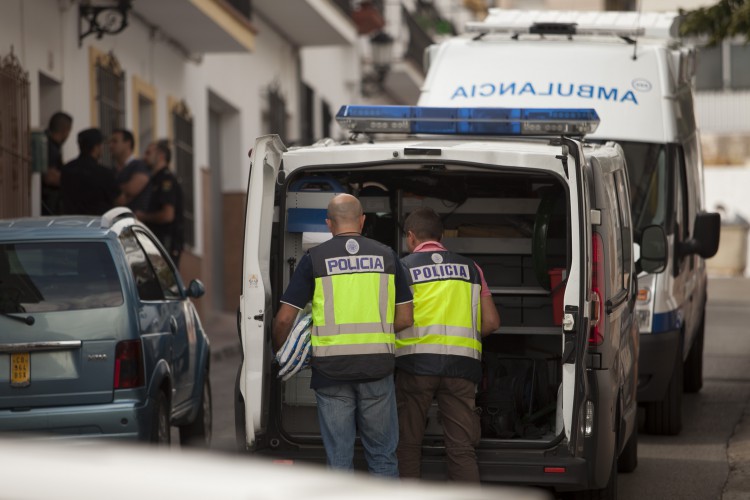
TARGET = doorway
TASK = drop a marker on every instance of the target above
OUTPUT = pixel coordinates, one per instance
(225, 156)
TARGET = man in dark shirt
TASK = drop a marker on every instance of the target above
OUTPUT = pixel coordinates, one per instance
(57, 133)
(132, 174)
(360, 298)
(89, 188)
(163, 214)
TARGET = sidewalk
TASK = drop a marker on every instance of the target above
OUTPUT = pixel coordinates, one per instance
(735, 291)
(221, 328)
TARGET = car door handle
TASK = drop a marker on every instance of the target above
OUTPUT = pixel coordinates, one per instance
(258, 317)
(173, 325)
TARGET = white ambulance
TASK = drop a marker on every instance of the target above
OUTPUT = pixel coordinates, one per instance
(633, 70)
(547, 218)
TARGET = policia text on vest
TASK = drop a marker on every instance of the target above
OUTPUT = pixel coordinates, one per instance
(360, 298)
(439, 357)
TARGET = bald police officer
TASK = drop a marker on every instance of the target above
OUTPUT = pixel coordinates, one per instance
(360, 299)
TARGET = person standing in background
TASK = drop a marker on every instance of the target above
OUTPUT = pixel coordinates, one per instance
(163, 214)
(441, 355)
(88, 187)
(58, 131)
(131, 174)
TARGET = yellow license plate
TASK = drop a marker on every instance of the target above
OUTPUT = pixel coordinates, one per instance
(20, 369)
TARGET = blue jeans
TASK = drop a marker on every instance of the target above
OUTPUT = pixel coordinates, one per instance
(369, 407)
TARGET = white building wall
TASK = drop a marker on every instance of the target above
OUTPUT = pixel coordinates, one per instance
(242, 80)
(551, 4)
(44, 34)
(723, 112)
(726, 188)
(318, 66)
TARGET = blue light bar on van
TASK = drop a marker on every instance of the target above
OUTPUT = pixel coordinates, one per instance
(468, 121)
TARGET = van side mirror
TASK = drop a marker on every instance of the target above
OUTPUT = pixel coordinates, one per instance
(705, 240)
(196, 289)
(653, 250)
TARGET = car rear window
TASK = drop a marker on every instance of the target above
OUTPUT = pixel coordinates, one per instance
(57, 276)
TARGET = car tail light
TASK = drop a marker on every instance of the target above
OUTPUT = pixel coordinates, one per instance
(128, 365)
(597, 290)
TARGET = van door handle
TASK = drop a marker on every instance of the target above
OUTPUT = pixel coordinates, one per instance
(258, 317)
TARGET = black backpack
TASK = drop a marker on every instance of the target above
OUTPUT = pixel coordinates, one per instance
(514, 400)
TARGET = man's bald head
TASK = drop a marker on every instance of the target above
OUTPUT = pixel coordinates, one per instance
(345, 214)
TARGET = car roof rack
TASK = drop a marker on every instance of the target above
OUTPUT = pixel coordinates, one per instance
(662, 25)
(113, 215)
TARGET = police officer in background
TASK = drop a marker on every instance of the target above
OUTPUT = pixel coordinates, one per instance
(360, 298)
(440, 356)
(88, 187)
(57, 133)
(164, 213)
(131, 173)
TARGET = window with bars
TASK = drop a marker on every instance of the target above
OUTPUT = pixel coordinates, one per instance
(146, 126)
(739, 61)
(327, 118)
(182, 133)
(306, 120)
(275, 117)
(15, 139)
(110, 97)
(144, 114)
(244, 7)
(709, 69)
(725, 66)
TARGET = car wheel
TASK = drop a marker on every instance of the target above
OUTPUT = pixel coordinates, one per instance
(239, 414)
(198, 432)
(665, 417)
(693, 372)
(160, 430)
(628, 460)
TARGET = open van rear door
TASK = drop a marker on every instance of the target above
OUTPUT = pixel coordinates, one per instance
(577, 300)
(256, 311)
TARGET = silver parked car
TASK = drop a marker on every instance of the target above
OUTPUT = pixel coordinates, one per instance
(97, 335)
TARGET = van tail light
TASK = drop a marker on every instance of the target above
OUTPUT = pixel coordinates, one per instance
(597, 290)
(128, 365)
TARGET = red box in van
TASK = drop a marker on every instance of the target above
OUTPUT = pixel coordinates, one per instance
(557, 282)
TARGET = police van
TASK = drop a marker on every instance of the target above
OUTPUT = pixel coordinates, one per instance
(544, 214)
(633, 70)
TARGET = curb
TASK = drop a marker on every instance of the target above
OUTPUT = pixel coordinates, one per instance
(737, 486)
(226, 351)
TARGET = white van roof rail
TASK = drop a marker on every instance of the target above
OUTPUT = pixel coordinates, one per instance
(661, 25)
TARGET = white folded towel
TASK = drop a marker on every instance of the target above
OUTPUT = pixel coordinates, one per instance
(294, 355)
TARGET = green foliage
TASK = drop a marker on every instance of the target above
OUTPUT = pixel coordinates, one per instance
(725, 19)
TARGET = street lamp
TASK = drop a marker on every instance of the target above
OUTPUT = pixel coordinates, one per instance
(381, 46)
(103, 19)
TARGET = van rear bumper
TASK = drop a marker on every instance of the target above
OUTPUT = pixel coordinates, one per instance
(514, 468)
(509, 466)
(655, 363)
(126, 420)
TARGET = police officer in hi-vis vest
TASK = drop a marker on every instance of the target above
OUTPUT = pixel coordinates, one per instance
(440, 355)
(360, 299)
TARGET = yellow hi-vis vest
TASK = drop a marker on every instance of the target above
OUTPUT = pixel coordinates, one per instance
(353, 307)
(445, 339)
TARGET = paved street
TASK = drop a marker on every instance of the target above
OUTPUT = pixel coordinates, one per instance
(223, 373)
(693, 465)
